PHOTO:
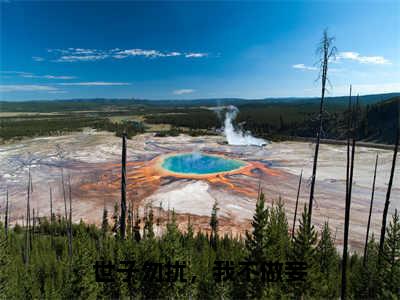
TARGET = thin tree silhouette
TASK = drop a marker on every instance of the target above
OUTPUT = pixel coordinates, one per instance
(370, 212)
(327, 52)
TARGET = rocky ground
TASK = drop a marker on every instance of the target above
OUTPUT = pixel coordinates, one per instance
(91, 160)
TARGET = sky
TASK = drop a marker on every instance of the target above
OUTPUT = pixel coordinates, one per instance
(192, 50)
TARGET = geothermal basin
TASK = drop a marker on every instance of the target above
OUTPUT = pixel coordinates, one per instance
(188, 175)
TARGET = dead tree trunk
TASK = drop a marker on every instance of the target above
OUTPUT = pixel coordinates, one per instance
(129, 220)
(33, 222)
(70, 219)
(6, 216)
(51, 218)
(27, 226)
(132, 218)
(370, 212)
(123, 188)
(327, 51)
(349, 120)
(297, 203)
(136, 228)
(387, 201)
(348, 205)
(64, 196)
(348, 164)
(30, 200)
(259, 188)
(51, 206)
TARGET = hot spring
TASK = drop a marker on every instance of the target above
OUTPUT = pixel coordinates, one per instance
(200, 164)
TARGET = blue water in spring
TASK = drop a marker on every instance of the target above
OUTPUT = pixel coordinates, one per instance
(197, 163)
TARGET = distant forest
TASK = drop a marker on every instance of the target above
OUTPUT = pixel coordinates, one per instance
(377, 117)
(376, 122)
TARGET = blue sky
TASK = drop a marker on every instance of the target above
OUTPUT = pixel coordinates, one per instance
(182, 50)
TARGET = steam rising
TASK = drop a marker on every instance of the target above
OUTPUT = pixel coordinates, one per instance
(238, 137)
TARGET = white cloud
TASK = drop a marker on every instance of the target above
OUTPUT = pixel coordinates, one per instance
(304, 67)
(48, 76)
(95, 83)
(183, 91)
(82, 51)
(138, 52)
(31, 75)
(77, 54)
(195, 55)
(26, 88)
(80, 54)
(58, 77)
(37, 58)
(73, 58)
(174, 54)
(355, 56)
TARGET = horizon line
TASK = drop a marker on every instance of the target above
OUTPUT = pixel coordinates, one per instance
(195, 99)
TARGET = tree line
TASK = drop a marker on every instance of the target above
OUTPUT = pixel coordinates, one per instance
(52, 271)
(20, 128)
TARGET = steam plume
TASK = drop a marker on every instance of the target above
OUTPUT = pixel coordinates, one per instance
(238, 137)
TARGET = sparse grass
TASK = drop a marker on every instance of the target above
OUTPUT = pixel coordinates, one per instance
(120, 119)
(25, 114)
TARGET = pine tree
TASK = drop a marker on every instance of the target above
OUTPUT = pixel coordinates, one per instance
(129, 226)
(277, 230)
(148, 225)
(171, 252)
(367, 278)
(189, 232)
(304, 250)
(104, 223)
(172, 239)
(189, 248)
(115, 218)
(328, 261)
(256, 244)
(82, 283)
(4, 265)
(257, 241)
(391, 259)
(136, 228)
(214, 226)
(277, 249)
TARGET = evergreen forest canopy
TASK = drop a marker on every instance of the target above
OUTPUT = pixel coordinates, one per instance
(55, 259)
